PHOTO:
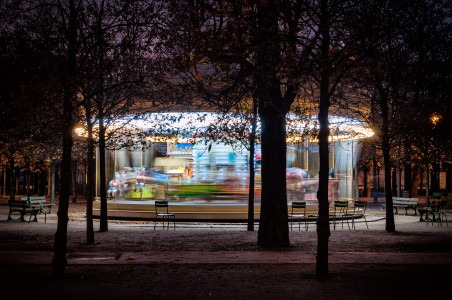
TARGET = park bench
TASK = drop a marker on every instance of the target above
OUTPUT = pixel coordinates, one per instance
(405, 203)
(29, 206)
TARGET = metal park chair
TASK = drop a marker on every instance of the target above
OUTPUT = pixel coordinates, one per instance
(298, 213)
(359, 211)
(162, 213)
(438, 212)
(339, 212)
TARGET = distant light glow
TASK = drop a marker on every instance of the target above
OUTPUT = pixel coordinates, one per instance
(341, 128)
(435, 118)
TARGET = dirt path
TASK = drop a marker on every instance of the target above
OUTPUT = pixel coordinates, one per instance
(223, 261)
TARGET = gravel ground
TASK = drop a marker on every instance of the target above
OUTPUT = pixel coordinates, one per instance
(223, 261)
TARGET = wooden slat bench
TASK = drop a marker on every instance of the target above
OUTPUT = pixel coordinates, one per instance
(29, 206)
(405, 203)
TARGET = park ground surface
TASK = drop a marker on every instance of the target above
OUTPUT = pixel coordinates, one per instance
(222, 261)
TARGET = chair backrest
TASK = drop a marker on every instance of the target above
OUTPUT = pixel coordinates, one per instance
(161, 206)
(339, 203)
(357, 205)
(340, 206)
(442, 205)
(437, 195)
(298, 205)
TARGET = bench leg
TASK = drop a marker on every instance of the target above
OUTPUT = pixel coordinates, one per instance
(421, 213)
(34, 220)
(406, 211)
(22, 215)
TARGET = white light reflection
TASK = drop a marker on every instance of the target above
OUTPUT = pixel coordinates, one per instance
(341, 128)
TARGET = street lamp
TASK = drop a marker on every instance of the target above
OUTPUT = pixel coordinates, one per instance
(436, 118)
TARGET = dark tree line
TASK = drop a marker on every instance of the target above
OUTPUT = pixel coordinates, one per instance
(102, 60)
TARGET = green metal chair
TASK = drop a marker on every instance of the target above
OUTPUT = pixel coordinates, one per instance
(339, 212)
(298, 213)
(162, 213)
(359, 211)
(438, 212)
(437, 195)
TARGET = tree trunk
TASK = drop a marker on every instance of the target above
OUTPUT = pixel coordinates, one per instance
(91, 179)
(100, 110)
(366, 183)
(27, 177)
(12, 179)
(42, 181)
(427, 187)
(375, 188)
(273, 226)
(415, 179)
(74, 181)
(59, 261)
(390, 225)
(102, 175)
(272, 109)
(3, 184)
(394, 185)
(408, 183)
(252, 171)
(52, 181)
(386, 149)
(323, 223)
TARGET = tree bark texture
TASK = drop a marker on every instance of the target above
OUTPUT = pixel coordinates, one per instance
(386, 148)
(390, 225)
(90, 239)
(273, 228)
(103, 183)
(252, 169)
(59, 261)
(272, 110)
(323, 223)
(12, 179)
(415, 179)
